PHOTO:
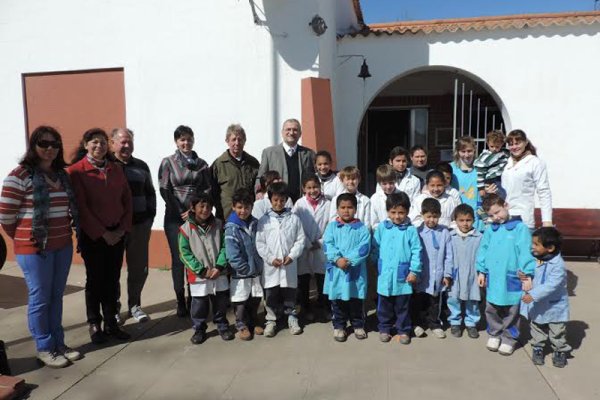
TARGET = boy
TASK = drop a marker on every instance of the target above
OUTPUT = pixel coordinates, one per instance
(245, 263)
(405, 181)
(437, 270)
(504, 251)
(465, 290)
(331, 185)
(435, 187)
(350, 177)
(202, 251)
(397, 249)
(446, 169)
(491, 162)
(280, 242)
(546, 305)
(346, 243)
(386, 180)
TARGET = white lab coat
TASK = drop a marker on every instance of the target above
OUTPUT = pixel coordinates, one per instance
(314, 221)
(332, 187)
(262, 206)
(378, 209)
(410, 184)
(363, 209)
(447, 202)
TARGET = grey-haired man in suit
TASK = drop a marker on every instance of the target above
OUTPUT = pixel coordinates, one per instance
(293, 161)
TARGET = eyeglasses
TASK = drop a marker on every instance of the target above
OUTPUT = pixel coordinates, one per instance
(45, 144)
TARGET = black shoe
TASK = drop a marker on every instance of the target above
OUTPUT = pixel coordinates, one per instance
(472, 332)
(537, 356)
(456, 331)
(559, 359)
(96, 334)
(116, 332)
(227, 335)
(198, 337)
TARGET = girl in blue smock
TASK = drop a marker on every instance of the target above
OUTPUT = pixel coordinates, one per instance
(464, 176)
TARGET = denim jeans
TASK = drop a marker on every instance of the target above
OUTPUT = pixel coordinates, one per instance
(471, 315)
(46, 277)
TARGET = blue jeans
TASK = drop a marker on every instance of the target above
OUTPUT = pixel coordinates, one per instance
(46, 277)
(472, 315)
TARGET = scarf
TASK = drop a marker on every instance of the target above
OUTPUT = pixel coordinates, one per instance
(313, 202)
(192, 163)
(41, 206)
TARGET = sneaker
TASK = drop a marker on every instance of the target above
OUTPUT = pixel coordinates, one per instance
(244, 334)
(506, 349)
(404, 338)
(270, 329)
(439, 333)
(537, 356)
(419, 332)
(138, 314)
(559, 359)
(360, 333)
(472, 332)
(456, 331)
(116, 332)
(96, 334)
(493, 344)
(295, 328)
(198, 337)
(69, 353)
(52, 359)
(339, 335)
(385, 337)
(259, 330)
(226, 335)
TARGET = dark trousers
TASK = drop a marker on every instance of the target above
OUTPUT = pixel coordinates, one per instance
(393, 311)
(103, 270)
(280, 300)
(136, 258)
(425, 310)
(304, 291)
(503, 322)
(246, 313)
(200, 307)
(351, 310)
(171, 227)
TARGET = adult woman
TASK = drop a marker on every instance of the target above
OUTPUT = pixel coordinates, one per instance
(104, 202)
(524, 175)
(37, 210)
(180, 177)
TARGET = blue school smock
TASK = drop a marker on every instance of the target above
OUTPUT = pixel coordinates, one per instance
(397, 251)
(464, 273)
(504, 250)
(549, 292)
(466, 184)
(352, 241)
(437, 258)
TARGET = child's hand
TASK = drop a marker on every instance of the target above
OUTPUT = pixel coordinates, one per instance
(342, 263)
(491, 188)
(214, 273)
(287, 260)
(526, 298)
(526, 285)
(447, 282)
(522, 276)
(278, 262)
(481, 280)
(411, 278)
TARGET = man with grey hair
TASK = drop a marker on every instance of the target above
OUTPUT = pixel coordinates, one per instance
(293, 161)
(234, 169)
(144, 209)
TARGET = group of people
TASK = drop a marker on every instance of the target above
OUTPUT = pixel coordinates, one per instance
(240, 231)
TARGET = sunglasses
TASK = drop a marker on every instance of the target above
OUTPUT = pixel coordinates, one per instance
(45, 144)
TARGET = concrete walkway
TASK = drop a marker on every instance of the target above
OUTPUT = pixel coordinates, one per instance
(161, 363)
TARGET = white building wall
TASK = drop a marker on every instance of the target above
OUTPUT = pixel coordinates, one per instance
(545, 78)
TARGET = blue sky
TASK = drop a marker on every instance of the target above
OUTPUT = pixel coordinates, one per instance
(397, 10)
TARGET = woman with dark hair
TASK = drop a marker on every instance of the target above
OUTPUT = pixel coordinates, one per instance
(181, 176)
(104, 202)
(37, 211)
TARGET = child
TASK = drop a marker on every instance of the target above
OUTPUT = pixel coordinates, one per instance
(465, 290)
(405, 181)
(202, 251)
(397, 249)
(435, 188)
(280, 242)
(437, 269)
(331, 185)
(386, 180)
(346, 245)
(546, 305)
(491, 162)
(313, 211)
(245, 263)
(262, 204)
(464, 175)
(504, 251)
(446, 169)
(350, 177)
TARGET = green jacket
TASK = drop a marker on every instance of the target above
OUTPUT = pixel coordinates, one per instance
(201, 249)
(228, 175)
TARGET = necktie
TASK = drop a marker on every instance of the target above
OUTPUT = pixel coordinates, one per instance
(436, 245)
(291, 151)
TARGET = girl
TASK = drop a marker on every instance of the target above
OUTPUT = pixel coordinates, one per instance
(313, 211)
(331, 185)
(262, 204)
(464, 175)
(436, 188)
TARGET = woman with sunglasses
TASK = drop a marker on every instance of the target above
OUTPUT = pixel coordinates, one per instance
(38, 210)
(104, 202)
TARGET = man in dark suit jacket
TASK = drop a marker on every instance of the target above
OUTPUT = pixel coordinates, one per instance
(293, 161)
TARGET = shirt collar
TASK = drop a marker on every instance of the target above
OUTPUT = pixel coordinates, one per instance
(389, 225)
(287, 148)
(511, 224)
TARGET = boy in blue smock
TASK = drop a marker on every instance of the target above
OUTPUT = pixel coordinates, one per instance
(504, 251)
(546, 305)
(397, 248)
(346, 243)
(465, 291)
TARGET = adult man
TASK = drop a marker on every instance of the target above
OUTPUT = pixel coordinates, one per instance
(234, 169)
(293, 161)
(418, 158)
(144, 210)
